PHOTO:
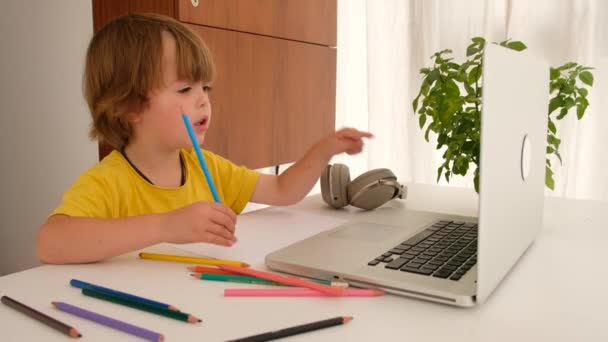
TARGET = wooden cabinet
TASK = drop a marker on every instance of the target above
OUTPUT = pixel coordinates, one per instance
(274, 93)
(312, 21)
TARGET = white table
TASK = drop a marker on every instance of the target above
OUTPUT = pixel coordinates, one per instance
(557, 292)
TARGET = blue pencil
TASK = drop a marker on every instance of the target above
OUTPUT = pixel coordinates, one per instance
(84, 285)
(201, 160)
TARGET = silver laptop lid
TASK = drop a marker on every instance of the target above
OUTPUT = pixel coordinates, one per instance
(513, 147)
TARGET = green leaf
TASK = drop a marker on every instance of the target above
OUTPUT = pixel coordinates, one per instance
(474, 75)
(580, 111)
(433, 76)
(567, 66)
(550, 150)
(426, 134)
(552, 127)
(476, 180)
(469, 89)
(583, 91)
(517, 45)
(425, 71)
(478, 40)
(415, 103)
(451, 89)
(472, 49)
(558, 157)
(439, 171)
(551, 139)
(586, 77)
(468, 146)
(422, 120)
(562, 113)
(555, 103)
(424, 89)
(549, 182)
(554, 74)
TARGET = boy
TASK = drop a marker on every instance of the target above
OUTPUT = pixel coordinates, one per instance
(142, 72)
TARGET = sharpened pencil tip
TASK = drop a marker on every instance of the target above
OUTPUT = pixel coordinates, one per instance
(244, 264)
(347, 319)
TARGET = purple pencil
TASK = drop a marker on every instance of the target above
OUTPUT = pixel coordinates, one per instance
(110, 322)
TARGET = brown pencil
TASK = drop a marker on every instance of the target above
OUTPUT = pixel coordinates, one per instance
(39, 316)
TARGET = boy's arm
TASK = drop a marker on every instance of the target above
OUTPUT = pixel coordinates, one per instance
(295, 183)
(65, 239)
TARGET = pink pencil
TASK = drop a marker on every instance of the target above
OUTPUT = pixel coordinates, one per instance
(287, 280)
(297, 292)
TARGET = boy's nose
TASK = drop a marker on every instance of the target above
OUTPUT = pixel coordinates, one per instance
(203, 99)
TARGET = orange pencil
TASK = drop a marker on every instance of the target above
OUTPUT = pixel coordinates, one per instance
(288, 280)
(204, 269)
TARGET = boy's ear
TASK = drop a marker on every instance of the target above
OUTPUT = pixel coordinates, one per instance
(133, 117)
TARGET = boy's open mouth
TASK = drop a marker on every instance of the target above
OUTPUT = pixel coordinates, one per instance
(202, 122)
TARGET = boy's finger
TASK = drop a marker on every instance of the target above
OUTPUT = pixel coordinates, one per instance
(224, 209)
(355, 134)
(223, 220)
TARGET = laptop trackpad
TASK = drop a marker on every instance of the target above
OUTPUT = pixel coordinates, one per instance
(365, 231)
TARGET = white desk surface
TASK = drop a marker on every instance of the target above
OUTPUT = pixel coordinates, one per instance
(557, 292)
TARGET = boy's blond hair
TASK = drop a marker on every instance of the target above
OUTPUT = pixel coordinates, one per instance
(123, 65)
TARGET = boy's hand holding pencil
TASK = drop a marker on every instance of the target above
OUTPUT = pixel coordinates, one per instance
(200, 222)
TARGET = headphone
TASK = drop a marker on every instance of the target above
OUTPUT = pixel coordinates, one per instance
(368, 191)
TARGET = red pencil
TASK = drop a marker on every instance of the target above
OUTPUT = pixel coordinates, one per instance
(288, 280)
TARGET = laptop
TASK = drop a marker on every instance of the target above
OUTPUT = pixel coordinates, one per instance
(444, 258)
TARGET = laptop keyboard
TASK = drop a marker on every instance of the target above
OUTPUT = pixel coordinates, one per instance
(447, 249)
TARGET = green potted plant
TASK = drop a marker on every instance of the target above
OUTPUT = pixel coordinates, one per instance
(449, 104)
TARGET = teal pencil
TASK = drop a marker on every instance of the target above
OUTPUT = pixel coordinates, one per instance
(254, 280)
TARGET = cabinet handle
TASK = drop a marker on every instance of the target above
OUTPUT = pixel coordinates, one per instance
(194, 3)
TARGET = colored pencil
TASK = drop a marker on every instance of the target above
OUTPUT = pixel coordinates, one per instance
(109, 322)
(40, 317)
(201, 160)
(297, 292)
(191, 260)
(204, 269)
(288, 280)
(253, 280)
(180, 316)
(84, 285)
(299, 329)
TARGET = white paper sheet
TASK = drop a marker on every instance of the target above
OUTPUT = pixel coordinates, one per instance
(263, 232)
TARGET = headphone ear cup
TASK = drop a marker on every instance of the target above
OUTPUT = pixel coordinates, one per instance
(334, 181)
(366, 192)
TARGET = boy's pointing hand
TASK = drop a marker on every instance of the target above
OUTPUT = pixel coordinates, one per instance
(348, 140)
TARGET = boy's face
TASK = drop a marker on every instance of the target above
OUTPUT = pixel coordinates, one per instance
(161, 122)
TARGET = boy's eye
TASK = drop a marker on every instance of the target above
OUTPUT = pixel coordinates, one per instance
(207, 88)
(184, 90)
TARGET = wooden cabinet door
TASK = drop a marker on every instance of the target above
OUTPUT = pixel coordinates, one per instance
(313, 21)
(272, 98)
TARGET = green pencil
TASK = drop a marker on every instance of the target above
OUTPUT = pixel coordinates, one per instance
(181, 316)
(254, 280)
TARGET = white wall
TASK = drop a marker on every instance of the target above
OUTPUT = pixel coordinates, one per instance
(43, 117)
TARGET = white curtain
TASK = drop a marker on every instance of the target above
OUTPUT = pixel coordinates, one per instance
(382, 44)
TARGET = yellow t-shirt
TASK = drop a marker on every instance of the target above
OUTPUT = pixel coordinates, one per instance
(113, 188)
